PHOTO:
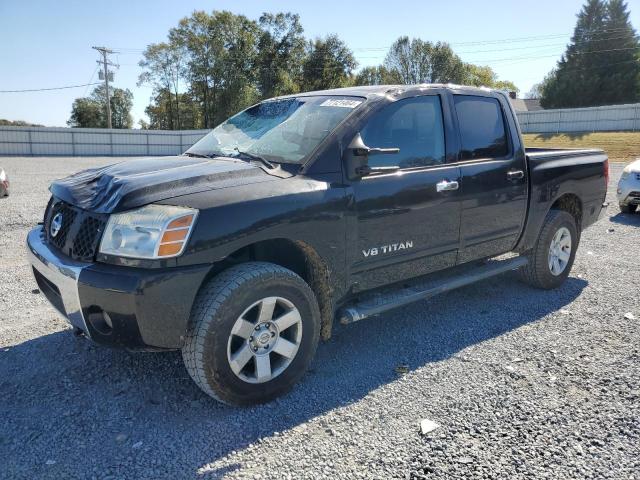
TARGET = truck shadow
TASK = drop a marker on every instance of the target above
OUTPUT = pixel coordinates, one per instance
(67, 400)
(632, 219)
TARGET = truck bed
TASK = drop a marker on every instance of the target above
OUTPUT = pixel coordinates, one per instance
(547, 153)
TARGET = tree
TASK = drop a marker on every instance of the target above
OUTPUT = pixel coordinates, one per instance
(600, 65)
(221, 51)
(483, 76)
(376, 76)
(188, 116)
(621, 81)
(329, 64)
(90, 112)
(17, 123)
(121, 104)
(416, 61)
(281, 51)
(163, 67)
(535, 92)
(87, 113)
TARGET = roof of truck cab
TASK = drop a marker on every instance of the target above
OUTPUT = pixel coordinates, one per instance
(376, 90)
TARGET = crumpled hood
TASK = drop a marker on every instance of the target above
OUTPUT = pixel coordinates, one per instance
(135, 183)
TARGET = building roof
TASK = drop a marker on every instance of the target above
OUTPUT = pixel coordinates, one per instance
(525, 104)
(533, 104)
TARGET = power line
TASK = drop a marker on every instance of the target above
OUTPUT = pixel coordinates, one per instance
(49, 89)
(133, 50)
(515, 59)
(506, 59)
(84, 94)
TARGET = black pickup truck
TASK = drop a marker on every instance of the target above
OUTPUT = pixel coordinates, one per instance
(339, 204)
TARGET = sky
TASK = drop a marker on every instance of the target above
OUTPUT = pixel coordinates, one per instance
(47, 43)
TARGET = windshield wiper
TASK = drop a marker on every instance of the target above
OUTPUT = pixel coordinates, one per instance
(196, 155)
(253, 156)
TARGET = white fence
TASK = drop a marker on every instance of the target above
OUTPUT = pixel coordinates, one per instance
(46, 141)
(593, 119)
(36, 141)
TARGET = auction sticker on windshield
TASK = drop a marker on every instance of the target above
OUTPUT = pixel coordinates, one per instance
(334, 102)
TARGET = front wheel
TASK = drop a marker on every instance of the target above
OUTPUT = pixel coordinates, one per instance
(253, 331)
(551, 259)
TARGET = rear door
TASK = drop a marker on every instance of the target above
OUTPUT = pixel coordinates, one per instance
(493, 186)
(405, 224)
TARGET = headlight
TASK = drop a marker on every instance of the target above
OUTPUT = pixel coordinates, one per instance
(154, 231)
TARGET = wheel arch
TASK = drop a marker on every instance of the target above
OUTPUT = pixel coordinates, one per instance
(570, 203)
(297, 256)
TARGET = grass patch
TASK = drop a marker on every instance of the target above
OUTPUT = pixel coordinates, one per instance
(620, 146)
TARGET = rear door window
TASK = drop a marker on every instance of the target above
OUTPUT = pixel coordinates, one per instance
(482, 130)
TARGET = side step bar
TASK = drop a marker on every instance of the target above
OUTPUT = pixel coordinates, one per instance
(377, 303)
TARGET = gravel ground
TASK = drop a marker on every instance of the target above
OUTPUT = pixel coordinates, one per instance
(523, 383)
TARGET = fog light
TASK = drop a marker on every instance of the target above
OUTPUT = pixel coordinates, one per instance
(99, 320)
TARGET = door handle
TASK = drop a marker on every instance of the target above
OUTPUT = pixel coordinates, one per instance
(515, 175)
(447, 186)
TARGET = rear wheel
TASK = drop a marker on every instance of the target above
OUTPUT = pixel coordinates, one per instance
(551, 259)
(628, 208)
(254, 330)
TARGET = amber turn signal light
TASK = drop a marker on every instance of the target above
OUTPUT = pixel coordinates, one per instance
(181, 222)
(174, 236)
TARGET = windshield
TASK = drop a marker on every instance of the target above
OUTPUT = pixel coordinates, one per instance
(285, 130)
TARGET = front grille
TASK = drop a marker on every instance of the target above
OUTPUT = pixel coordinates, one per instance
(80, 231)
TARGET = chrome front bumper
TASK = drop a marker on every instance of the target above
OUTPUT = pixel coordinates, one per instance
(57, 278)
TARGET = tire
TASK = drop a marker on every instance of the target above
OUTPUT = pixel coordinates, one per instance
(538, 272)
(220, 333)
(628, 208)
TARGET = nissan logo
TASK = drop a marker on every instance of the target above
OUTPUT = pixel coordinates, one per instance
(56, 225)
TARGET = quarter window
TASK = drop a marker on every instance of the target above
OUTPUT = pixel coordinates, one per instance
(482, 130)
(413, 125)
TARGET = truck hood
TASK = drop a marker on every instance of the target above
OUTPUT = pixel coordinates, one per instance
(134, 183)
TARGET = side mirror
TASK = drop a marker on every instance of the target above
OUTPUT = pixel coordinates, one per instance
(357, 158)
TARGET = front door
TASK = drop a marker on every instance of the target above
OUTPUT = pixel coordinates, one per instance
(406, 224)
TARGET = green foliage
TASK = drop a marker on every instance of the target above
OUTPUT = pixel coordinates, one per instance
(379, 75)
(87, 113)
(90, 112)
(281, 52)
(214, 64)
(329, 64)
(17, 123)
(482, 76)
(418, 61)
(623, 78)
(601, 66)
(170, 112)
(221, 52)
(163, 66)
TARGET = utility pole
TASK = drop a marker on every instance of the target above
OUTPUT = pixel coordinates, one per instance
(105, 63)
